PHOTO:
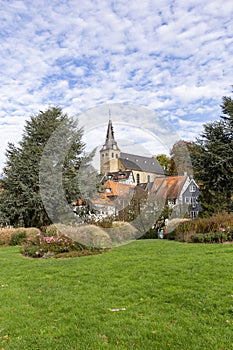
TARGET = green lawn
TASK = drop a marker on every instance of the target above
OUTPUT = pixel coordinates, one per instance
(175, 295)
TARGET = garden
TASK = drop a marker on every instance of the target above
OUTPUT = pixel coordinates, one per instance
(149, 294)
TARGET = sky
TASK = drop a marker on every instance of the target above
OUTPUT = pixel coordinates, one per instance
(173, 59)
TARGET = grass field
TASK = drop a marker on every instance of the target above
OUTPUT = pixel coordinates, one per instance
(172, 295)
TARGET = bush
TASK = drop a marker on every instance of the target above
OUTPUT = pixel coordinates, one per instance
(51, 230)
(7, 232)
(215, 237)
(222, 222)
(18, 238)
(88, 235)
(150, 234)
(123, 232)
(40, 245)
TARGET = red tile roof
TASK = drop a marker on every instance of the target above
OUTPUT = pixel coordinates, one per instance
(116, 189)
(169, 187)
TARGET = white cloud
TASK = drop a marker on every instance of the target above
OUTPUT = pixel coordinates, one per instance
(173, 58)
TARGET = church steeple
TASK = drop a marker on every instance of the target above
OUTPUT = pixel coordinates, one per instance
(110, 142)
(110, 151)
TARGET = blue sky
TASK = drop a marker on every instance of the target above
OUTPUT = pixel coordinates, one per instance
(171, 57)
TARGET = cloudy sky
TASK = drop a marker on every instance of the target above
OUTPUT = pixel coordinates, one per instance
(174, 58)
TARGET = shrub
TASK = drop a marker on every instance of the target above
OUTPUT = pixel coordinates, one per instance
(40, 245)
(222, 222)
(123, 232)
(7, 232)
(215, 237)
(18, 238)
(150, 234)
(51, 230)
(88, 235)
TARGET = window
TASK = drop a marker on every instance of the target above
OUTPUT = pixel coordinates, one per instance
(102, 155)
(193, 214)
(116, 155)
(138, 178)
(112, 155)
(148, 178)
(192, 188)
(190, 200)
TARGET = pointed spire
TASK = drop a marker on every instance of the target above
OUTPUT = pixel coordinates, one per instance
(110, 132)
(110, 142)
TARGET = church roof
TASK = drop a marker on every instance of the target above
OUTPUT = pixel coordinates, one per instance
(140, 163)
(110, 142)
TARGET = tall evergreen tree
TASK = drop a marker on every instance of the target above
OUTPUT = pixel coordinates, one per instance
(180, 158)
(20, 199)
(212, 158)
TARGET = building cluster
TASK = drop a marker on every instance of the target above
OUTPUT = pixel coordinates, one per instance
(128, 177)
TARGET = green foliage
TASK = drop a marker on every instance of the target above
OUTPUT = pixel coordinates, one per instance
(150, 234)
(20, 199)
(51, 230)
(180, 158)
(18, 238)
(216, 237)
(46, 246)
(217, 223)
(213, 162)
(166, 163)
(9, 234)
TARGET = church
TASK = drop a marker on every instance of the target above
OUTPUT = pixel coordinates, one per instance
(126, 168)
(125, 174)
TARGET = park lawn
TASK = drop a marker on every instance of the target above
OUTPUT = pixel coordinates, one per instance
(172, 295)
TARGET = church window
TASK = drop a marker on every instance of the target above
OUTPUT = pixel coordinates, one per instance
(138, 178)
(112, 155)
(148, 178)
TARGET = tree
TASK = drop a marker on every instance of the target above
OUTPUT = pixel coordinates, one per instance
(20, 199)
(212, 158)
(166, 163)
(180, 158)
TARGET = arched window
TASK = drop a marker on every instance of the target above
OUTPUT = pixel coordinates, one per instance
(148, 178)
(138, 178)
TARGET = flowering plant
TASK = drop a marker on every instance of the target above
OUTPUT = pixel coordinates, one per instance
(40, 245)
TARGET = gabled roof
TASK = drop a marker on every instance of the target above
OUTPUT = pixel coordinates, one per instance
(110, 142)
(140, 163)
(169, 187)
(116, 189)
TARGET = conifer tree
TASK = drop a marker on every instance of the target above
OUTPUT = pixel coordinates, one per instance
(20, 199)
(212, 159)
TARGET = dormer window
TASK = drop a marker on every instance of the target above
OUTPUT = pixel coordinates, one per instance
(192, 188)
